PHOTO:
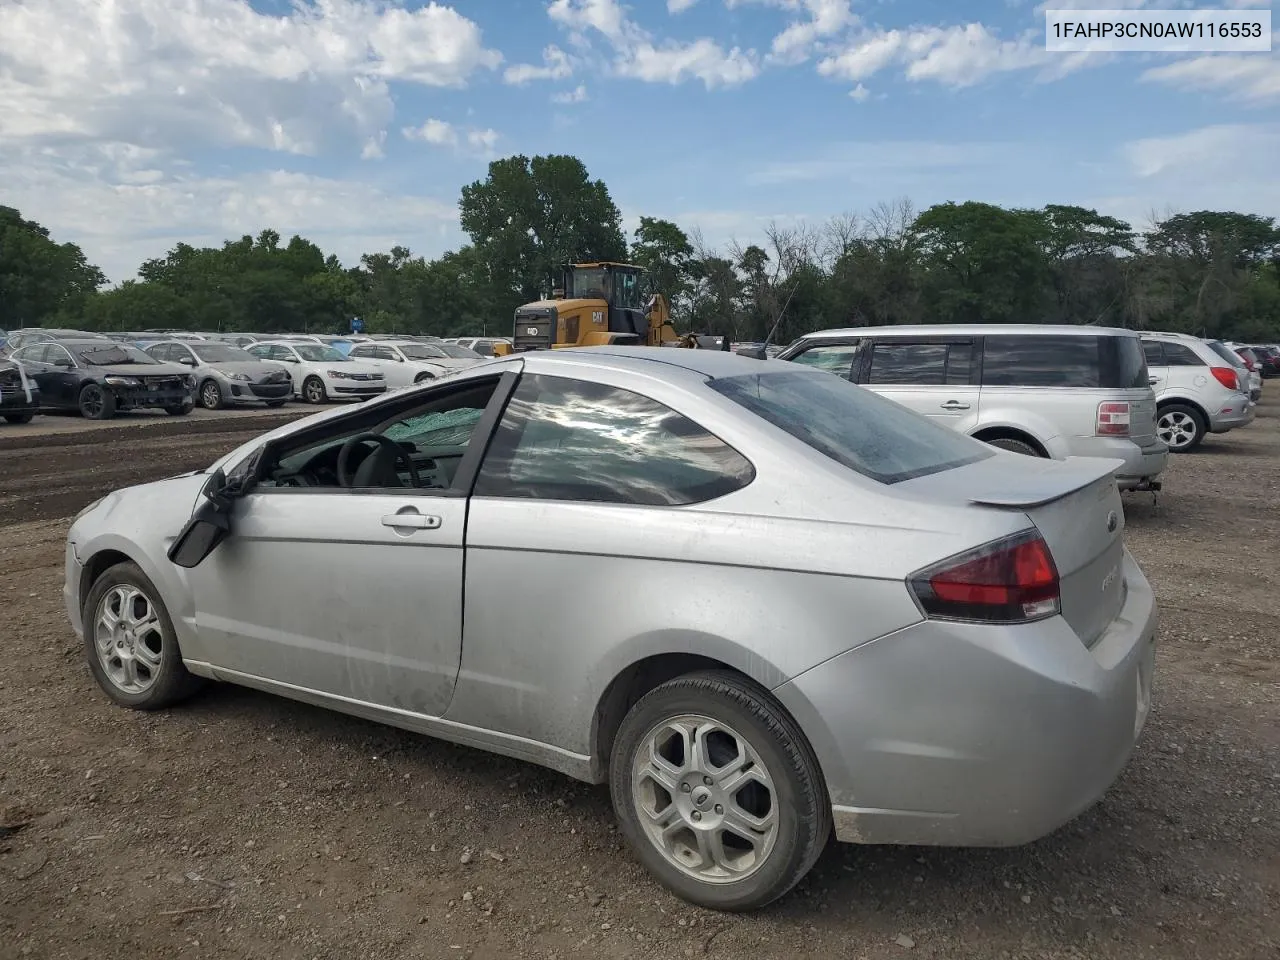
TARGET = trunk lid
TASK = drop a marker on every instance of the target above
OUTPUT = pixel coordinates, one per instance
(1142, 417)
(1075, 505)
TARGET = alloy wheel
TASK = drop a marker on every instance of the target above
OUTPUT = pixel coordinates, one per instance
(1176, 429)
(705, 799)
(128, 637)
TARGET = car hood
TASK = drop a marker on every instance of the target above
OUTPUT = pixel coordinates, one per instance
(142, 370)
(253, 368)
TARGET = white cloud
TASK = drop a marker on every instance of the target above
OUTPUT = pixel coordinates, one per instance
(639, 55)
(826, 18)
(124, 204)
(373, 146)
(957, 56)
(438, 132)
(555, 66)
(1217, 150)
(220, 72)
(679, 6)
(883, 160)
(1250, 77)
(441, 133)
(577, 95)
(860, 93)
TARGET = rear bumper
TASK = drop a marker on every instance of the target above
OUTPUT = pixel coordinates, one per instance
(1142, 464)
(1238, 412)
(957, 734)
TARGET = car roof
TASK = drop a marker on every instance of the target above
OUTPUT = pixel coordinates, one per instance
(657, 360)
(971, 330)
(87, 342)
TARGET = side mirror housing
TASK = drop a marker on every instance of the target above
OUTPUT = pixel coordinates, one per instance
(753, 353)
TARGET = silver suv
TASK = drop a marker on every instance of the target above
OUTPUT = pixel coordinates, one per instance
(1045, 391)
(1198, 389)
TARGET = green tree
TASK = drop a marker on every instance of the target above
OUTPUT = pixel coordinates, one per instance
(1087, 255)
(982, 263)
(528, 217)
(40, 278)
(665, 252)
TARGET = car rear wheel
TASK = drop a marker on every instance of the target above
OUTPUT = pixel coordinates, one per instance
(180, 409)
(19, 417)
(1180, 427)
(717, 792)
(130, 643)
(210, 395)
(1014, 446)
(96, 403)
(313, 390)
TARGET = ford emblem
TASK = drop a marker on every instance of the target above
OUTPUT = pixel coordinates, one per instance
(1112, 522)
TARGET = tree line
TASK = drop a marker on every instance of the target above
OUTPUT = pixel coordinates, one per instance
(1213, 273)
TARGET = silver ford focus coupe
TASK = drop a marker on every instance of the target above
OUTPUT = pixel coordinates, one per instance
(763, 604)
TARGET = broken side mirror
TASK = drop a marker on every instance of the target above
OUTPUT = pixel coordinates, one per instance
(210, 523)
(753, 353)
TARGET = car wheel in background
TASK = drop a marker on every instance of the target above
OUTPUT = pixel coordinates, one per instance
(19, 417)
(1180, 426)
(211, 395)
(130, 643)
(180, 410)
(313, 390)
(96, 403)
(717, 791)
(1014, 446)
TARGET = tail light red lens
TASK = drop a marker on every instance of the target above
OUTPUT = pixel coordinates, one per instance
(1013, 580)
(1113, 419)
(1226, 376)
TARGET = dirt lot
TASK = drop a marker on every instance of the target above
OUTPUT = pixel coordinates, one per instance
(245, 826)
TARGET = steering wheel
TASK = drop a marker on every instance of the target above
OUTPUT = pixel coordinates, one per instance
(344, 455)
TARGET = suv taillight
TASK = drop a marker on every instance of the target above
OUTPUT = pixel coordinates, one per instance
(1226, 376)
(1013, 580)
(1113, 419)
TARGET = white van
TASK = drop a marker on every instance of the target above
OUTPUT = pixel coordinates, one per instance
(1044, 391)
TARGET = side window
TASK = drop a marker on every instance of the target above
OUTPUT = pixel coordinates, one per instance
(1041, 361)
(1180, 355)
(1153, 352)
(563, 439)
(433, 436)
(831, 357)
(360, 353)
(959, 363)
(899, 362)
(385, 353)
(281, 353)
(53, 353)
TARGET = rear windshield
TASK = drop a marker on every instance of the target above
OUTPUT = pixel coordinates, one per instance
(853, 426)
(1221, 349)
(1113, 362)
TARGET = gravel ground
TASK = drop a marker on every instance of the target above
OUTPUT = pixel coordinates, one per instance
(245, 826)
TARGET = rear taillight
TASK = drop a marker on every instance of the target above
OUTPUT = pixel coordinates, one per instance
(1009, 581)
(1113, 419)
(1226, 376)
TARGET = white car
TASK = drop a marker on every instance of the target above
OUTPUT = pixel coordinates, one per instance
(406, 362)
(321, 373)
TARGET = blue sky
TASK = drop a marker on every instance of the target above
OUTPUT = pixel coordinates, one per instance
(131, 126)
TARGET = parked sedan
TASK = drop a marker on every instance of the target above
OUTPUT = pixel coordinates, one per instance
(100, 377)
(19, 394)
(404, 362)
(798, 608)
(227, 375)
(321, 373)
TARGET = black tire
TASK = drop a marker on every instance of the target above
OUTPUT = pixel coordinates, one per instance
(1182, 424)
(313, 390)
(1013, 445)
(211, 395)
(276, 403)
(96, 402)
(19, 417)
(171, 681)
(180, 410)
(800, 801)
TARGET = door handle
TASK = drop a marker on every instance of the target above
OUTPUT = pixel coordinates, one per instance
(955, 405)
(411, 520)
(1152, 381)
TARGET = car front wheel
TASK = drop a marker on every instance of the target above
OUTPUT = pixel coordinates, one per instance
(96, 402)
(130, 642)
(313, 390)
(718, 792)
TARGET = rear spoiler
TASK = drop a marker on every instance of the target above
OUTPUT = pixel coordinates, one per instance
(1054, 480)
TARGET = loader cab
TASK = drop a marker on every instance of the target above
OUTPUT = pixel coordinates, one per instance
(595, 304)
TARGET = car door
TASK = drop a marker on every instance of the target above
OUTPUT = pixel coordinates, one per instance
(60, 379)
(933, 376)
(1157, 366)
(40, 372)
(352, 591)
